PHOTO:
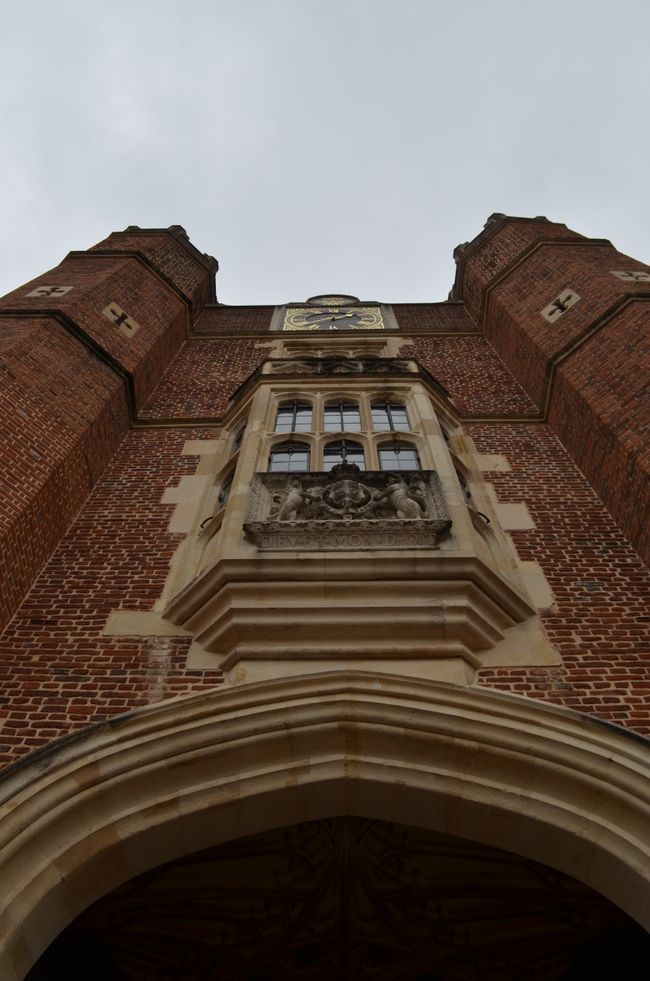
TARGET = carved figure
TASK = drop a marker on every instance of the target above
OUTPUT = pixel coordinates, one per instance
(398, 498)
(418, 492)
(294, 502)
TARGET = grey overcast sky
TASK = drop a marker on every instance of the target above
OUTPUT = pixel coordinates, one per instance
(318, 145)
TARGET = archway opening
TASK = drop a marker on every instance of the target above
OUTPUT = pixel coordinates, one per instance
(349, 897)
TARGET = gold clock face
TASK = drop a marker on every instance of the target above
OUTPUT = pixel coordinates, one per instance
(333, 317)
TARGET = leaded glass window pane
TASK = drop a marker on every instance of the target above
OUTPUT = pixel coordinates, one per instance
(387, 416)
(289, 458)
(224, 493)
(342, 417)
(343, 449)
(293, 417)
(398, 456)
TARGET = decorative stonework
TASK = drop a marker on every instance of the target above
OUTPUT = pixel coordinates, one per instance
(124, 323)
(632, 275)
(346, 508)
(47, 291)
(341, 366)
(559, 306)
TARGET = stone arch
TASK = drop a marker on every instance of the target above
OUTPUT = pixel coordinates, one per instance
(96, 809)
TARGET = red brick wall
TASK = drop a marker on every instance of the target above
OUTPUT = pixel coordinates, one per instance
(63, 416)
(172, 255)
(58, 672)
(598, 401)
(514, 323)
(600, 621)
(600, 408)
(66, 407)
(433, 316)
(257, 320)
(233, 320)
(473, 374)
(68, 415)
(202, 376)
(496, 251)
(100, 280)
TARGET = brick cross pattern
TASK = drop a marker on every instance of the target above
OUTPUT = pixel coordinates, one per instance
(120, 318)
(559, 306)
(632, 275)
(50, 291)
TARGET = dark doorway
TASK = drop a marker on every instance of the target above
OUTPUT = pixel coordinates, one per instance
(350, 898)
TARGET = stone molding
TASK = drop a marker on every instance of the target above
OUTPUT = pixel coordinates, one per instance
(92, 811)
(328, 367)
(382, 605)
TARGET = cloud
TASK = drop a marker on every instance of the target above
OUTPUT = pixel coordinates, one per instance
(313, 146)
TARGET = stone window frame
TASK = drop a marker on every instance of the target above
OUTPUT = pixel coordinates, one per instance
(340, 401)
(295, 443)
(349, 443)
(388, 443)
(367, 436)
(398, 394)
(294, 402)
(390, 404)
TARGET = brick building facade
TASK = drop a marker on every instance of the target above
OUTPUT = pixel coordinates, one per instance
(140, 415)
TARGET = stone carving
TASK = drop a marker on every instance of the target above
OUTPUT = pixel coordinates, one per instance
(294, 501)
(340, 366)
(399, 498)
(347, 508)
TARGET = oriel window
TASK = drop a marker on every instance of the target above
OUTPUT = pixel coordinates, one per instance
(293, 417)
(343, 450)
(389, 416)
(398, 456)
(289, 458)
(341, 417)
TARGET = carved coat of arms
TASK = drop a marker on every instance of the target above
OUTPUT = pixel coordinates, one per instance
(347, 508)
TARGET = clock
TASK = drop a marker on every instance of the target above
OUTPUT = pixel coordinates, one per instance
(333, 312)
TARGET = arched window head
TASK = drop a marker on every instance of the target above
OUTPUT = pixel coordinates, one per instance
(343, 450)
(342, 417)
(398, 456)
(293, 417)
(289, 458)
(389, 416)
